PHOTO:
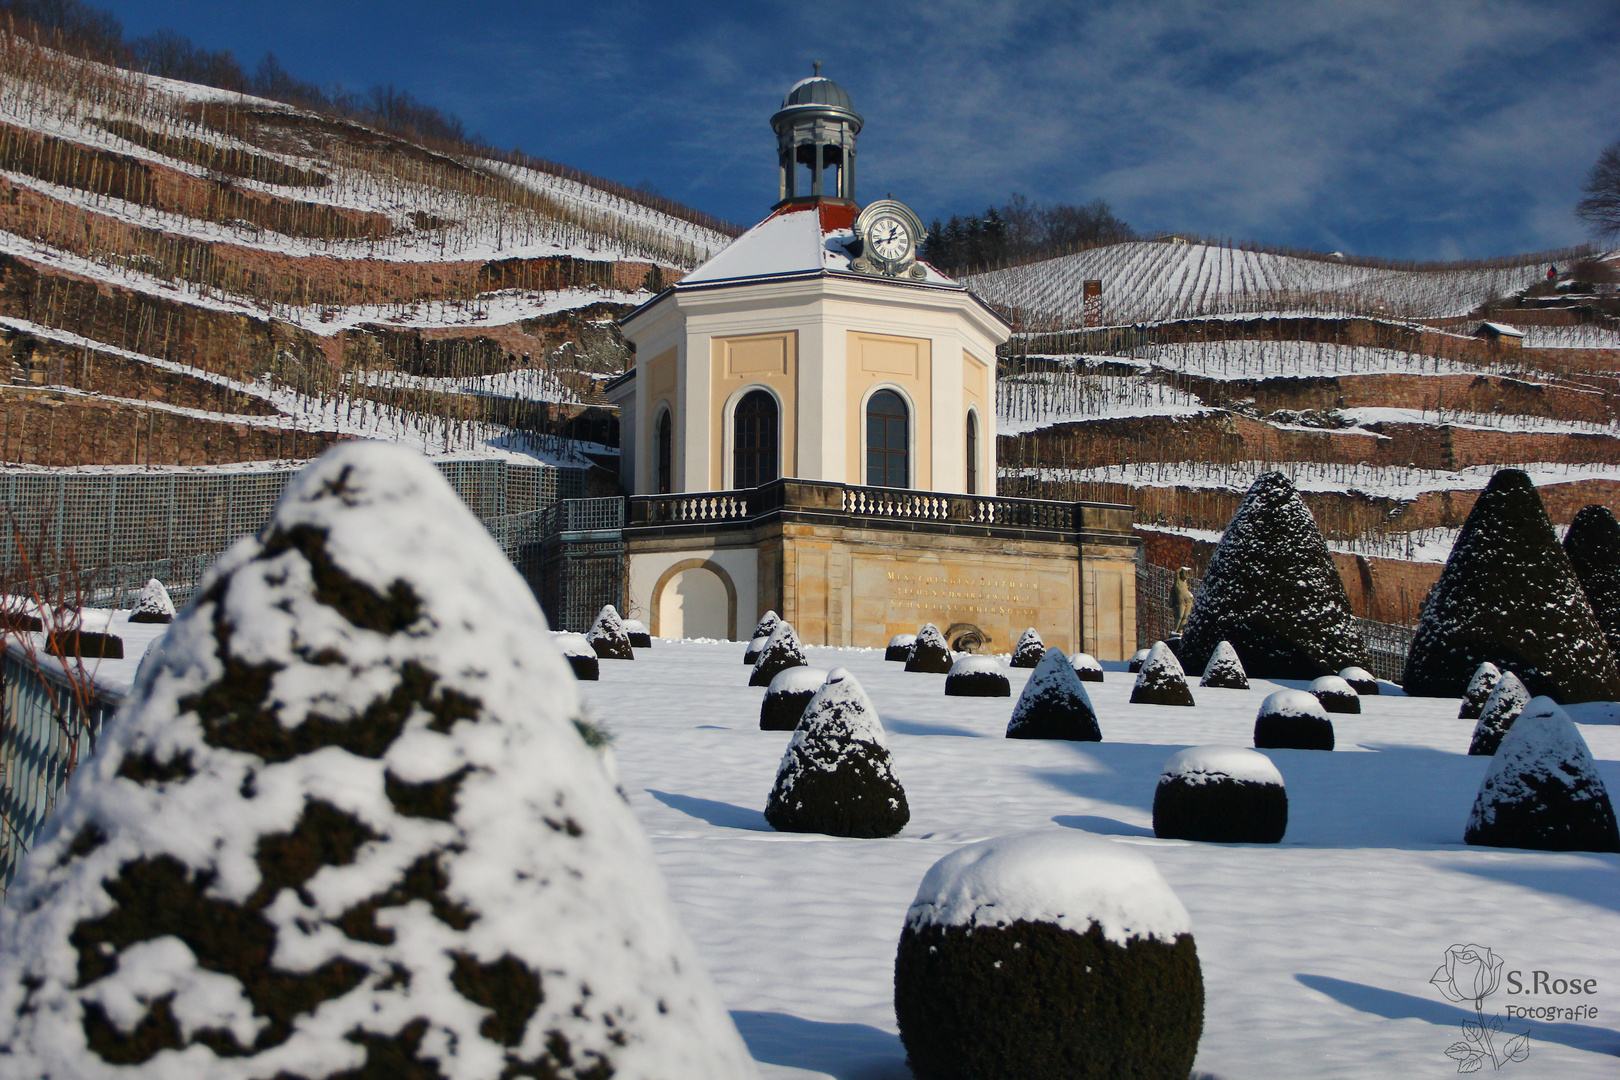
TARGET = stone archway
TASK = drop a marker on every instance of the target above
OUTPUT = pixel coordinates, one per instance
(695, 598)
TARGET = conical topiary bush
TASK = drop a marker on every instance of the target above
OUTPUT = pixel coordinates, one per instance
(1486, 676)
(788, 696)
(1029, 650)
(837, 776)
(1273, 592)
(1138, 658)
(1054, 704)
(1543, 790)
(608, 636)
(1509, 595)
(782, 651)
(1224, 670)
(1501, 708)
(929, 653)
(1161, 680)
(1593, 546)
(762, 634)
(153, 604)
(346, 826)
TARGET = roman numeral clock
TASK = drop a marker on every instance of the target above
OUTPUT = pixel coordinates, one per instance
(887, 233)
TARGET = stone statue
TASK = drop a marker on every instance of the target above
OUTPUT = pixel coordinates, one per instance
(1181, 592)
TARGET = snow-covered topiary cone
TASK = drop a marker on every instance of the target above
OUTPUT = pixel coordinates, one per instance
(1086, 667)
(346, 826)
(1593, 546)
(837, 776)
(580, 656)
(153, 604)
(637, 632)
(1335, 694)
(929, 653)
(1273, 592)
(1486, 676)
(762, 634)
(1161, 680)
(977, 676)
(1543, 790)
(1029, 650)
(1054, 705)
(1361, 681)
(787, 696)
(1508, 594)
(1502, 707)
(1224, 670)
(900, 647)
(1220, 794)
(782, 651)
(1292, 720)
(608, 636)
(1048, 955)
(1138, 658)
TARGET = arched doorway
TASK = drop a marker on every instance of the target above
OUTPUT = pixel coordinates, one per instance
(971, 439)
(695, 599)
(754, 438)
(888, 440)
(666, 453)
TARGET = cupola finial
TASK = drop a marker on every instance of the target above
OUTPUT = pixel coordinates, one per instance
(816, 64)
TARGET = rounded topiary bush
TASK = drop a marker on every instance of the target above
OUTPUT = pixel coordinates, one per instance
(347, 825)
(1138, 658)
(900, 647)
(153, 604)
(636, 630)
(977, 676)
(1224, 670)
(1335, 694)
(837, 776)
(1220, 794)
(1049, 955)
(1543, 790)
(608, 636)
(580, 656)
(782, 651)
(1054, 705)
(1086, 667)
(929, 653)
(787, 696)
(762, 634)
(1486, 676)
(1161, 680)
(1593, 546)
(1292, 720)
(1502, 707)
(1029, 650)
(1361, 681)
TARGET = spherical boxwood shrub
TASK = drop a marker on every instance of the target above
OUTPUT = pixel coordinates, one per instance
(1293, 720)
(1138, 658)
(1029, 650)
(608, 637)
(787, 696)
(1543, 790)
(153, 604)
(929, 653)
(1054, 705)
(837, 776)
(1161, 680)
(762, 634)
(782, 651)
(1224, 670)
(900, 647)
(977, 676)
(640, 637)
(1220, 794)
(1486, 676)
(1361, 681)
(1502, 707)
(1049, 955)
(1335, 694)
(1086, 667)
(580, 656)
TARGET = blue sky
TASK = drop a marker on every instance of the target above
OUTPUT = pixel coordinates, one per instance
(1407, 129)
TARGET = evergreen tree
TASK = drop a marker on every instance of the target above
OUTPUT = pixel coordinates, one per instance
(1593, 546)
(837, 776)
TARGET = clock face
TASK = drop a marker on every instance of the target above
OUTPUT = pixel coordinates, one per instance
(890, 238)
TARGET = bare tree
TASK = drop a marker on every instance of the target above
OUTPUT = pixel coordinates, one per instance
(1601, 207)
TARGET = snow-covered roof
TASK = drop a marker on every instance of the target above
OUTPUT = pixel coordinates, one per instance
(1502, 329)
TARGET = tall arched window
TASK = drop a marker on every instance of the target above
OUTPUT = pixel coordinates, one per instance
(666, 453)
(753, 454)
(888, 438)
(972, 441)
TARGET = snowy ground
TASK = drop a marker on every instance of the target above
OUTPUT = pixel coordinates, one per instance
(1317, 952)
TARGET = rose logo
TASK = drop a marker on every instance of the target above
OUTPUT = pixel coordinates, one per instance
(1472, 973)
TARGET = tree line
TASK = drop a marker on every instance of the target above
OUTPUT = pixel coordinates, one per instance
(1018, 231)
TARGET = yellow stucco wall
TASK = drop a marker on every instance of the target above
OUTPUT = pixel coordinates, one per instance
(743, 362)
(907, 364)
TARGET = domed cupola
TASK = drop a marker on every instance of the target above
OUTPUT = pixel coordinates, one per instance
(816, 127)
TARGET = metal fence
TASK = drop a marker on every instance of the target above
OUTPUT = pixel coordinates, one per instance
(583, 561)
(1387, 646)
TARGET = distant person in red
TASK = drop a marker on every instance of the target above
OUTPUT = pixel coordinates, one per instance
(1552, 273)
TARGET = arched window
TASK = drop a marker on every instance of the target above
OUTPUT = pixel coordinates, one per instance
(972, 441)
(753, 454)
(666, 453)
(888, 437)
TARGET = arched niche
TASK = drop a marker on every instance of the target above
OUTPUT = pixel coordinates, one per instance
(695, 598)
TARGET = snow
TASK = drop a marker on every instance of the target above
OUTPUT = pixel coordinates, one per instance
(1053, 876)
(1332, 684)
(797, 680)
(573, 644)
(154, 600)
(902, 641)
(1356, 674)
(798, 239)
(1085, 662)
(1201, 764)
(1504, 329)
(1542, 760)
(970, 664)
(840, 713)
(1292, 703)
